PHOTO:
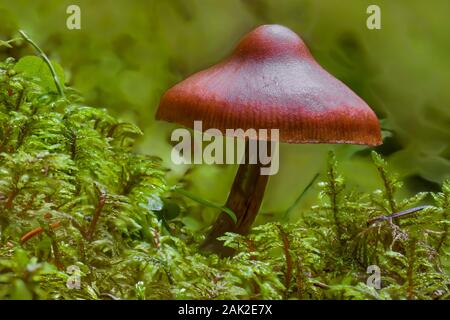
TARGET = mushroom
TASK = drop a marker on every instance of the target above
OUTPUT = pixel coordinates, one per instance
(270, 81)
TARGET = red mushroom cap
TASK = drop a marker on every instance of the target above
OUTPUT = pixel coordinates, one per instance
(271, 81)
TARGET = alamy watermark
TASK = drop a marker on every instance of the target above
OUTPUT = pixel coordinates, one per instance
(73, 21)
(74, 279)
(374, 280)
(263, 147)
(373, 21)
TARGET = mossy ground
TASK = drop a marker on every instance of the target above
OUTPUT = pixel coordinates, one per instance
(74, 196)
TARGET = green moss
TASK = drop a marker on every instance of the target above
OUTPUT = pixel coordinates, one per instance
(68, 175)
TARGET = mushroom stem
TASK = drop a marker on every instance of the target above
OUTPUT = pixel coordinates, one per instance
(244, 200)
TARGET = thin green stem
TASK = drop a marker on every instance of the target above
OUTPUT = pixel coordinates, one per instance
(289, 211)
(207, 203)
(46, 60)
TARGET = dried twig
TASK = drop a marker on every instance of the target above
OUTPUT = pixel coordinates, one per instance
(27, 236)
(98, 211)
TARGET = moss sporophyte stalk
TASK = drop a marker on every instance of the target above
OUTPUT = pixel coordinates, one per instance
(83, 216)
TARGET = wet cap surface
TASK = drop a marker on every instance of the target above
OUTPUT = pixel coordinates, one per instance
(271, 81)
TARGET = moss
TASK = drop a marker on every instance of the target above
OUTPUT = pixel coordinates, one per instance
(77, 204)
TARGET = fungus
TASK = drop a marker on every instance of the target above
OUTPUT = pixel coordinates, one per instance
(271, 81)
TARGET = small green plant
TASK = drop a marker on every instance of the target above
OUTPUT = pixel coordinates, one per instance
(71, 190)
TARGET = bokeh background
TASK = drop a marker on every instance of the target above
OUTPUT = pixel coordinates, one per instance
(128, 53)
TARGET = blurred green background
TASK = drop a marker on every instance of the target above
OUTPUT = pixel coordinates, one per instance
(128, 53)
